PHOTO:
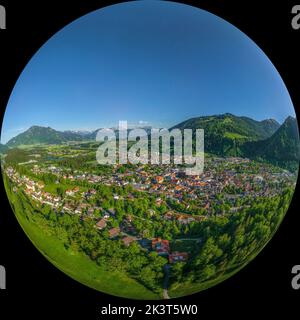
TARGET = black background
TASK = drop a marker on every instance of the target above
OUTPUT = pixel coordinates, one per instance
(36, 289)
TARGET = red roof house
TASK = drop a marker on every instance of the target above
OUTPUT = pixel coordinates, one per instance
(114, 232)
(178, 256)
(101, 224)
(161, 246)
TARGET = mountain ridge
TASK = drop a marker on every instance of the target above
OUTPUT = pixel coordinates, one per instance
(225, 135)
(282, 148)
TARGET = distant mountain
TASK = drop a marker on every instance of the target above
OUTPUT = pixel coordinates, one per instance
(3, 148)
(225, 134)
(47, 135)
(282, 148)
(91, 135)
(43, 135)
(82, 133)
(270, 126)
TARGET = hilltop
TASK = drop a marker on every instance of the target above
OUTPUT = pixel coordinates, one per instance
(225, 134)
(43, 135)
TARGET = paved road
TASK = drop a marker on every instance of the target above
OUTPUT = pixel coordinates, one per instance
(166, 281)
(165, 294)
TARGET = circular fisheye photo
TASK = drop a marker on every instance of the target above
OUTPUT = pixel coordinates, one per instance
(150, 150)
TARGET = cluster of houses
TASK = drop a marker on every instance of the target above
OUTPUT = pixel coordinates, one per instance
(162, 247)
(171, 181)
(176, 186)
(35, 190)
(115, 231)
(183, 218)
(167, 180)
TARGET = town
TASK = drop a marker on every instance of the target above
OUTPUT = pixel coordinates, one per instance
(170, 197)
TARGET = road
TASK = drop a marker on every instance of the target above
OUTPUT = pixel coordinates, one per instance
(166, 281)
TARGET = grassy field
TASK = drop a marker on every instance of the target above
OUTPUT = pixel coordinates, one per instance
(31, 146)
(52, 188)
(232, 135)
(78, 266)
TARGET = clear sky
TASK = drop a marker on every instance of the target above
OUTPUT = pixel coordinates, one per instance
(153, 62)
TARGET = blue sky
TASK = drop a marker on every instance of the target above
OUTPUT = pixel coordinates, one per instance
(153, 62)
